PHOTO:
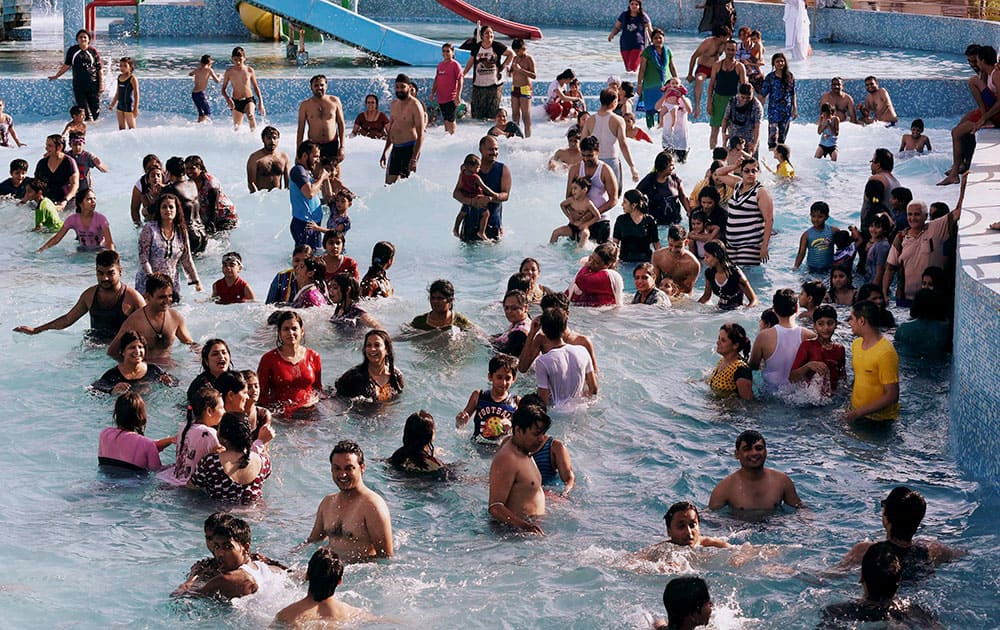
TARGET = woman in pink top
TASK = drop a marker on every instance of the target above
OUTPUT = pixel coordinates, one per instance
(124, 444)
(597, 283)
(92, 228)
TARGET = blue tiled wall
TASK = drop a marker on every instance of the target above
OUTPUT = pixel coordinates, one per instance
(975, 379)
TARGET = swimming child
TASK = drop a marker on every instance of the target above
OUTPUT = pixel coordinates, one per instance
(231, 288)
(417, 453)
(522, 73)
(816, 243)
(244, 82)
(634, 132)
(821, 357)
(701, 232)
(581, 212)
(196, 437)
(85, 160)
(376, 282)
(7, 132)
(77, 122)
(784, 170)
(16, 185)
(515, 309)
(201, 75)
(492, 409)
(126, 95)
(915, 140)
(828, 130)
(683, 523)
(842, 289)
(470, 224)
(335, 260)
(671, 101)
(46, 216)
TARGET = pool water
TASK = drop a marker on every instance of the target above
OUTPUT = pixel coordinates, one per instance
(106, 553)
(586, 51)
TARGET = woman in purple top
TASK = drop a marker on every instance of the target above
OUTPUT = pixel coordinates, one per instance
(163, 243)
(124, 444)
(636, 29)
(92, 228)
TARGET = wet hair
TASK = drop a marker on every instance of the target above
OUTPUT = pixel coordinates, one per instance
(939, 209)
(445, 288)
(215, 520)
(418, 440)
(305, 148)
(736, 142)
(749, 437)
(784, 152)
(663, 160)
(638, 200)
(769, 318)
(865, 291)
(302, 249)
(350, 290)
(971, 49)
(608, 252)
(324, 574)
(870, 77)
(571, 134)
(814, 289)
(75, 111)
(390, 357)
(278, 318)
(108, 258)
(375, 96)
(826, 108)
(928, 304)
(884, 221)
(230, 382)
(677, 232)
(722, 30)
(870, 312)
(519, 282)
(987, 54)
(590, 143)
(936, 274)
(555, 300)
(528, 415)
(517, 294)
(711, 192)
(38, 185)
(500, 360)
(382, 253)
(234, 528)
(608, 96)
(738, 337)
(553, 322)
(175, 166)
(129, 337)
(202, 400)
(841, 240)
(785, 302)
(647, 267)
(156, 281)
(235, 430)
(583, 182)
(745, 89)
(699, 215)
(719, 252)
(180, 227)
(82, 194)
(150, 159)
(883, 157)
(904, 510)
(206, 59)
(316, 267)
(844, 269)
(472, 160)
(628, 90)
(903, 195)
(824, 311)
(270, 131)
(881, 571)
(529, 260)
(195, 161)
(517, 44)
(239, 52)
(683, 597)
(130, 413)
(719, 153)
(128, 61)
(18, 165)
(820, 207)
(917, 123)
(348, 447)
(680, 506)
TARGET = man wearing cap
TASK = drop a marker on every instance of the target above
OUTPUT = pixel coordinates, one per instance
(902, 512)
(405, 133)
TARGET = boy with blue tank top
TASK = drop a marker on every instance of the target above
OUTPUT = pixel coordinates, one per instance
(492, 408)
(816, 243)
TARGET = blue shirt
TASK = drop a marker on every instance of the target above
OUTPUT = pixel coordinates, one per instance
(779, 98)
(303, 209)
(819, 248)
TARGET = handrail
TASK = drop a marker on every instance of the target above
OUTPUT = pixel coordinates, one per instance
(969, 9)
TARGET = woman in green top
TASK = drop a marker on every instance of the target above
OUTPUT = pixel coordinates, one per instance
(656, 67)
(441, 295)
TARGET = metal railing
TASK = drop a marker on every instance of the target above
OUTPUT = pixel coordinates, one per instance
(975, 9)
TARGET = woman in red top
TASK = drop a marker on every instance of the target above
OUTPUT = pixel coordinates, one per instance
(291, 374)
(598, 284)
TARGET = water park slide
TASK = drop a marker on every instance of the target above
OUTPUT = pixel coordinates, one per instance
(356, 30)
(500, 25)
(261, 23)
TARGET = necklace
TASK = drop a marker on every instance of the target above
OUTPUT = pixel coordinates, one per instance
(159, 333)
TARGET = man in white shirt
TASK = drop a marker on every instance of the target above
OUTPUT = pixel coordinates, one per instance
(564, 372)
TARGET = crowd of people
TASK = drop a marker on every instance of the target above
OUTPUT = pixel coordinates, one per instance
(902, 248)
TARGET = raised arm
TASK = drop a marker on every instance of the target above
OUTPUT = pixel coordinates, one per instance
(63, 321)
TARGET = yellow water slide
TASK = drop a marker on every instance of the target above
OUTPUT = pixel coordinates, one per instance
(263, 23)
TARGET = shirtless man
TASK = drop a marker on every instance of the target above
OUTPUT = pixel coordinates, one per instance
(705, 55)
(753, 488)
(516, 495)
(109, 302)
(842, 103)
(244, 81)
(877, 106)
(677, 265)
(325, 574)
(324, 116)
(405, 133)
(727, 76)
(355, 521)
(156, 322)
(267, 168)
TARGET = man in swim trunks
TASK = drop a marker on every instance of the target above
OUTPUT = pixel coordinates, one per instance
(156, 322)
(109, 302)
(841, 102)
(406, 133)
(267, 168)
(324, 574)
(324, 115)
(244, 81)
(877, 106)
(677, 265)
(728, 75)
(516, 494)
(753, 488)
(355, 521)
(705, 55)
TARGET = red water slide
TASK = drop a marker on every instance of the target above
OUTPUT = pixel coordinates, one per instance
(500, 25)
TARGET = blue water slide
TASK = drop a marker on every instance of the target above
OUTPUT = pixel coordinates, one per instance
(356, 30)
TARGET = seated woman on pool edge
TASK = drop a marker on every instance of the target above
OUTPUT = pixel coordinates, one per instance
(731, 373)
(236, 474)
(291, 375)
(133, 370)
(417, 453)
(441, 295)
(124, 445)
(376, 378)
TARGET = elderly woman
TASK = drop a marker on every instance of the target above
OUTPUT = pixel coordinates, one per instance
(371, 123)
(59, 171)
(132, 371)
(93, 232)
(751, 214)
(291, 375)
(376, 378)
(163, 243)
(441, 296)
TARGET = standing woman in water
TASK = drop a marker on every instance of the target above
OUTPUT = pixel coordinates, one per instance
(291, 375)
(92, 229)
(751, 214)
(88, 79)
(59, 171)
(731, 373)
(376, 378)
(163, 243)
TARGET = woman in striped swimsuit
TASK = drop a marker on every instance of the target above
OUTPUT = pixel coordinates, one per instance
(751, 214)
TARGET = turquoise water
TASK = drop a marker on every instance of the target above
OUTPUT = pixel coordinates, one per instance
(100, 552)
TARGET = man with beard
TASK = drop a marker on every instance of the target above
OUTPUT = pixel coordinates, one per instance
(187, 191)
(109, 302)
(842, 103)
(304, 192)
(877, 106)
(324, 116)
(405, 133)
(157, 323)
(355, 521)
(603, 191)
(496, 176)
(516, 497)
(754, 488)
(267, 168)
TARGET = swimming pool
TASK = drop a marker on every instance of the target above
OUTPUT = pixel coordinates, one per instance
(80, 546)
